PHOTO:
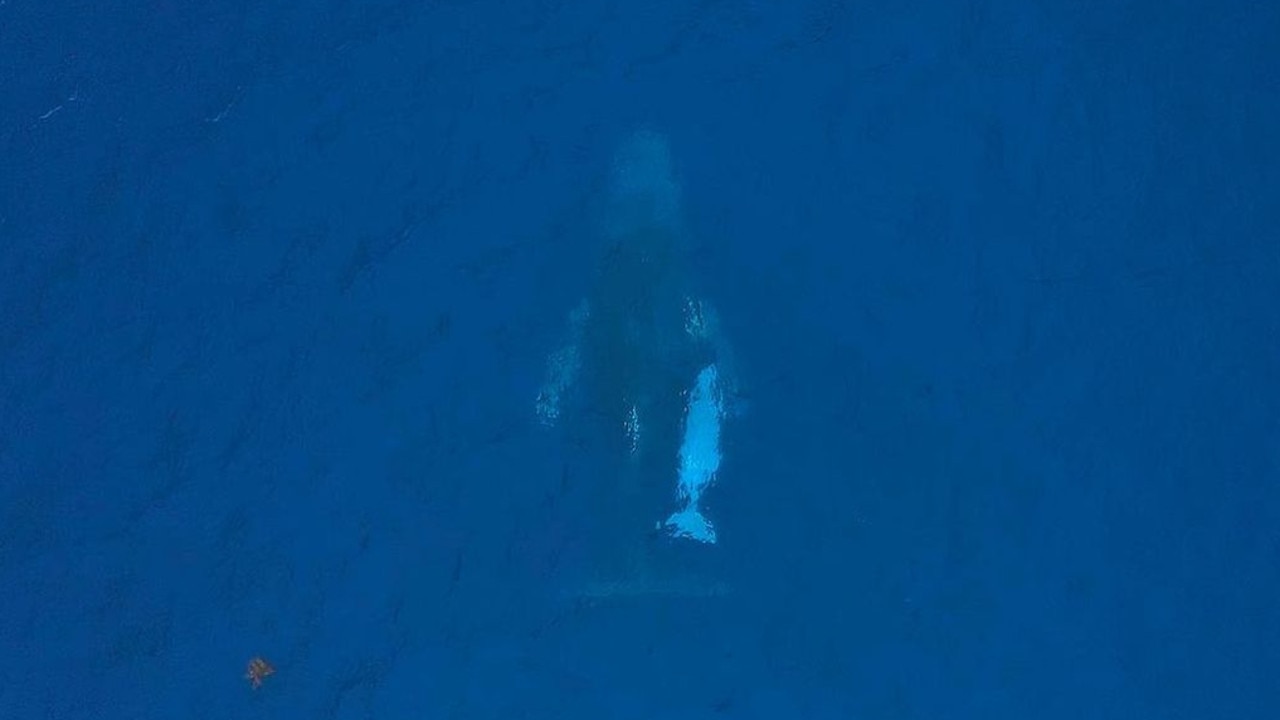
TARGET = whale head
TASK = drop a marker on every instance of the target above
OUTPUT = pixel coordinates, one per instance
(643, 192)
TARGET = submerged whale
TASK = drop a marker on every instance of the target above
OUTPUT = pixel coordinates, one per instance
(645, 365)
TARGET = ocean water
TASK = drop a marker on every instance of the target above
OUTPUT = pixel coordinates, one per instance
(996, 288)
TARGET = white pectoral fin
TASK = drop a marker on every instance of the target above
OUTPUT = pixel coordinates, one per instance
(702, 323)
(699, 458)
(690, 524)
(563, 366)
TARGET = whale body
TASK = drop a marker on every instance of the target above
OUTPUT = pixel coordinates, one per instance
(644, 371)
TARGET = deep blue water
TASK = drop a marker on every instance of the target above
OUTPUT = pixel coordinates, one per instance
(278, 282)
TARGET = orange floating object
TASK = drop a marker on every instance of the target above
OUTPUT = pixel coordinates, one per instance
(258, 670)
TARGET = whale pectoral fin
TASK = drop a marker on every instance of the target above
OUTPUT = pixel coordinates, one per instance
(690, 524)
(562, 371)
(563, 367)
(699, 458)
(707, 327)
